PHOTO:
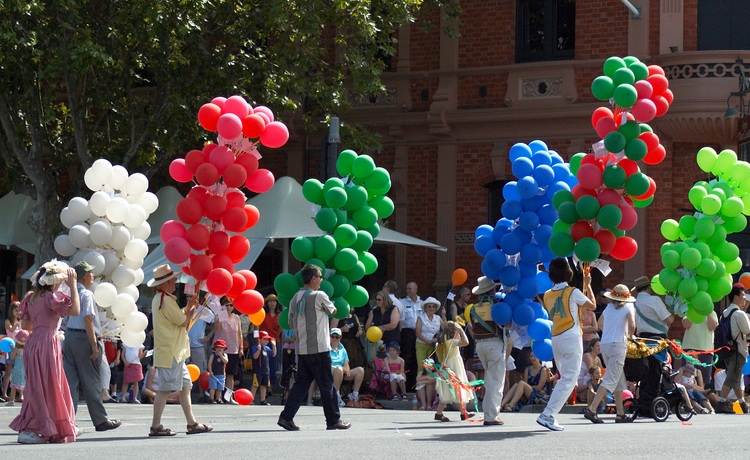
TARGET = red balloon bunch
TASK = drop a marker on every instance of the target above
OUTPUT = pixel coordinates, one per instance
(234, 118)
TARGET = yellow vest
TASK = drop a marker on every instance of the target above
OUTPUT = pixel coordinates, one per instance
(483, 309)
(557, 304)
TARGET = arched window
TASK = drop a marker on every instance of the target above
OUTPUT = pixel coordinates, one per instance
(545, 30)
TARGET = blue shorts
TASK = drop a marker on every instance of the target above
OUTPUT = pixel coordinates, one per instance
(217, 382)
(262, 380)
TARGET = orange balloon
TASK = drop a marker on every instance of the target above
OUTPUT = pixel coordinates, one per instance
(459, 276)
(258, 317)
(194, 371)
(745, 280)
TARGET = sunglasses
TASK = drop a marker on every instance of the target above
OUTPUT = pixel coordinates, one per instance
(335, 337)
(379, 299)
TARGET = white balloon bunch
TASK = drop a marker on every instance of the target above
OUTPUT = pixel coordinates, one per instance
(109, 231)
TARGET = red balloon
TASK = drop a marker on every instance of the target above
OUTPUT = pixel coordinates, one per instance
(235, 219)
(629, 217)
(625, 248)
(177, 250)
(215, 207)
(193, 159)
(250, 279)
(199, 194)
(655, 70)
(229, 126)
(644, 89)
(172, 229)
(235, 198)
(238, 248)
(236, 105)
(261, 181)
(208, 148)
(207, 174)
(608, 196)
(604, 126)
(218, 242)
(581, 229)
(253, 126)
(238, 285)
(644, 110)
(589, 176)
(249, 302)
(189, 211)
(219, 281)
(203, 380)
(197, 236)
(221, 157)
(208, 116)
(655, 156)
(650, 192)
(235, 175)
(263, 110)
(651, 140)
(662, 106)
(599, 113)
(275, 135)
(629, 166)
(606, 240)
(669, 96)
(659, 83)
(253, 215)
(249, 161)
(591, 159)
(243, 396)
(219, 101)
(179, 172)
(223, 261)
(201, 266)
(578, 191)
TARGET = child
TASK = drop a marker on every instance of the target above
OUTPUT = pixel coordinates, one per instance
(132, 372)
(394, 363)
(425, 387)
(694, 389)
(217, 369)
(595, 374)
(452, 374)
(288, 361)
(261, 365)
(17, 377)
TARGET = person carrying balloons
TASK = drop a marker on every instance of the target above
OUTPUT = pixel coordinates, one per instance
(564, 303)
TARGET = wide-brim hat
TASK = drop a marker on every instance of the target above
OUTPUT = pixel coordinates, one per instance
(484, 284)
(620, 293)
(162, 274)
(641, 282)
(430, 300)
(270, 297)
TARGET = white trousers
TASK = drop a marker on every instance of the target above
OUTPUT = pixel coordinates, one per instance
(568, 351)
(492, 354)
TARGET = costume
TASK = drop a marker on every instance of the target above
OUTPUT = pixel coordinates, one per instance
(48, 408)
(450, 358)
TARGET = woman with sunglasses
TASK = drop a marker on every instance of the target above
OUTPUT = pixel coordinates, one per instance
(386, 316)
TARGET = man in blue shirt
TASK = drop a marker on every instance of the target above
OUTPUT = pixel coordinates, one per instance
(198, 340)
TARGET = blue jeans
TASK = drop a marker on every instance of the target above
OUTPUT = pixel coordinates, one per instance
(311, 368)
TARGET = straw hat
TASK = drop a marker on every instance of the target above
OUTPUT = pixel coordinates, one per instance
(162, 274)
(484, 284)
(620, 293)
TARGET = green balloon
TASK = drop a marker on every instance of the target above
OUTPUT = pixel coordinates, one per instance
(639, 69)
(345, 235)
(645, 128)
(612, 64)
(613, 177)
(298, 275)
(696, 195)
(671, 259)
(567, 213)
(587, 249)
(670, 229)
(318, 263)
(625, 95)
(643, 203)
(656, 286)
(732, 207)
(345, 259)
(340, 284)
(587, 207)
(704, 228)
(637, 184)
(609, 216)
(720, 234)
(341, 217)
(702, 304)
(302, 248)
(687, 225)
(284, 319)
(735, 224)
(560, 227)
(670, 279)
(727, 252)
(356, 273)
(706, 158)
(312, 190)
(636, 149)
(365, 217)
(603, 88)
(680, 246)
(666, 247)
(575, 162)
(623, 76)
(364, 241)
(383, 206)
(374, 231)
(690, 258)
(702, 284)
(378, 179)
(562, 196)
(630, 129)
(326, 220)
(630, 60)
(734, 266)
(332, 182)
(342, 307)
(703, 249)
(687, 288)
(369, 261)
(335, 197)
(614, 142)
(561, 244)
(721, 270)
(326, 287)
(357, 296)
(694, 316)
(363, 166)
(344, 162)
(718, 288)
(741, 171)
(726, 160)
(286, 284)
(356, 197)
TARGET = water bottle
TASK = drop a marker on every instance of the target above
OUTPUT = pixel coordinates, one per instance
(414, 402)
(130, 395)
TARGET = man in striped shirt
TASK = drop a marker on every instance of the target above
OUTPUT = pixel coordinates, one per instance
(308, 316)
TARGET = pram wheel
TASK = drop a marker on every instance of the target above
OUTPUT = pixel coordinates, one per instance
(660, 409)
(682, 411)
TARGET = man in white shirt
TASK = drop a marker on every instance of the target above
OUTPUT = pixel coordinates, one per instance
(412, 309)
(652, 318)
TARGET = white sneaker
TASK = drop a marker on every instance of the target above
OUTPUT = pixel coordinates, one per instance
(549, 422)
(353, 396)
(341, 401)
(27, 437)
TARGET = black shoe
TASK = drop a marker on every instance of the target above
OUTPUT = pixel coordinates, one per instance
(496, 422)
(339, 426)
(288, 425)
(108, 425)
(592, 416)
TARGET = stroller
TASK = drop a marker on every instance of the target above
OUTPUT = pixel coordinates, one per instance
(656, 394)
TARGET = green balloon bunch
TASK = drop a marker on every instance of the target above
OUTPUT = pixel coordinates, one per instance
(350, 208)
(698, 260)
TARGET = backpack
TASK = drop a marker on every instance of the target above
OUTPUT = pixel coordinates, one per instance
(723, 340)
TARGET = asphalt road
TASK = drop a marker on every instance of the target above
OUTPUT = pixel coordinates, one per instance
(251, 432)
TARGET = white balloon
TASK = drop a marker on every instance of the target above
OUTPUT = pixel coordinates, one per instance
(142, 232)
(136, 250)
(119, 178)
(100, 232)
(91, 181)
(105, 294)
(136, 322)
(97, 260)
(120, 237)
(63, 246)
(98, 203)
(149, 201)
(79, 236)
(134, 264)
(78, 256)
(138, 276)
(66, 218)
(137, 185)
(123, 276)
(132, 339)
(102, 170)
(111, 261)
(118, 209)
(136, 216)
(123, 306)
(131, 290)
(79, 209)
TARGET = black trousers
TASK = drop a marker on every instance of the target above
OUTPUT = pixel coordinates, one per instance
(315, 368)
(409, 353)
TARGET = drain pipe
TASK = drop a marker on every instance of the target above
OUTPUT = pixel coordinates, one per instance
(636, 11)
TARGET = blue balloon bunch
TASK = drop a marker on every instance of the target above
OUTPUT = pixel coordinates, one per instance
(518, 242)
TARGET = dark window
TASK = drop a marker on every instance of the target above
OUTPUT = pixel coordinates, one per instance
(723, 25)
(545, 30)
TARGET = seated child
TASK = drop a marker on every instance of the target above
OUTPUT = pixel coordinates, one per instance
(595, 373)
(692, 383)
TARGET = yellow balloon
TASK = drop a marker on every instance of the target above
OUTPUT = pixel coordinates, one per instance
(467, 313)
(194, 371)
(258, 317)
(374, 334)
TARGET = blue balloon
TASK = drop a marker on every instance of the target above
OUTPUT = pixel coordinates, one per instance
(523, 315)
(519, 150)
(483, 230)
(522, 235)
(501, 313)
(540, 158)
(526, 269)
(545, 283)
(498, 232)
(522, 167)
(530, 254)
(488, 271)
(7, 345)
(537, 146)
(511, 209)
(556, 158)
(510, 192)
(547, 256)
(562, 171)
(547, 215)
(555, 187)
(484, 244)
(495, 259)
(572, 181)
(507, 223)
(544, 175)
(539, 310)
(510, 243)
(527, 187)
(542, 349)
(540, 329)
(531, 204)
(513, 298)
(528, 288)
(542, 234)
(528, 221)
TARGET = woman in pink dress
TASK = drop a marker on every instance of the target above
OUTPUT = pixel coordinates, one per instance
(47, 414)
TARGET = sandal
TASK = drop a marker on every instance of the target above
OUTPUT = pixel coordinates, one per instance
(442, 418)
(161, 431)
(199, 428)
(506, 408)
